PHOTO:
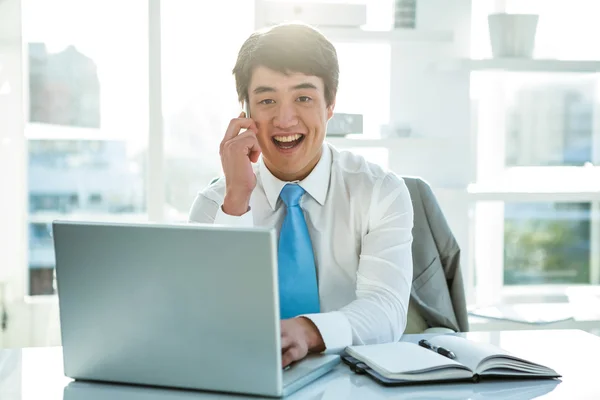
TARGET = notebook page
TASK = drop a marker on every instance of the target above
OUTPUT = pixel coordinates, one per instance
(499, 361)
(400, 357)
(467, 352)
(508, 366)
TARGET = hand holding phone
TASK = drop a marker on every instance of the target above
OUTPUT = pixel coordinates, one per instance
(238, 151)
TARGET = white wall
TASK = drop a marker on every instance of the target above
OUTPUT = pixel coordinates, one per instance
(436, 105)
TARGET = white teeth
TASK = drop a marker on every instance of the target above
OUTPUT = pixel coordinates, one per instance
(290, 138)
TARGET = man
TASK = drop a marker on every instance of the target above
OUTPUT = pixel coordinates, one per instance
(344, 224)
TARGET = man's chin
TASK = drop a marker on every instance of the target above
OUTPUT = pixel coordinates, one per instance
(287, 161)
(285, 170)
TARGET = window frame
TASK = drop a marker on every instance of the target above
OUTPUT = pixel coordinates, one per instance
(490, 191)
(15, 281)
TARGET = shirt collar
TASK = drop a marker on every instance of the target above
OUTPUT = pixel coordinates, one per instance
(316, 183)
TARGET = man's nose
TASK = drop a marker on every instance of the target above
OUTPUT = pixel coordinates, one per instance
(286, 116)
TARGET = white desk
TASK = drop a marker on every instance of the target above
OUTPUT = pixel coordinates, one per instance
(36, 374)
(585, 316)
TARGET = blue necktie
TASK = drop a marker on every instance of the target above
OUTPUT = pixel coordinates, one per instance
(298, 290)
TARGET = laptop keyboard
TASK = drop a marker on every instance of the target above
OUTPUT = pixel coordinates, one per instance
(302, 368)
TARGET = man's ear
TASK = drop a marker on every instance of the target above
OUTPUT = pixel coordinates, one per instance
(330, 109)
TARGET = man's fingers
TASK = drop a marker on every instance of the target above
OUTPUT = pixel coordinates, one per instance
(233, 132)
(237, 124)
(286, 342)
(290, 355)
(249, 142)
(255, 152)
(246, 140)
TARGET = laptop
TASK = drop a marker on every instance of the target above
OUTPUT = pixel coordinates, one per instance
(186, 306)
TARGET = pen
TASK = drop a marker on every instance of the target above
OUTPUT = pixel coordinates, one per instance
(439, 350)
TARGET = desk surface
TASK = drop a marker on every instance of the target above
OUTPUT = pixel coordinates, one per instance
(583, 310)
(36, 373)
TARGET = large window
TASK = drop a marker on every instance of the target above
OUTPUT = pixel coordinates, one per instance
(539, 142)
(86, 126)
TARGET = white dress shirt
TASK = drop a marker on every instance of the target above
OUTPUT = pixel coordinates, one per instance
(360, 220)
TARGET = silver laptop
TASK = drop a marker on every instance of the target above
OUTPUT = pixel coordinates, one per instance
(183, 306)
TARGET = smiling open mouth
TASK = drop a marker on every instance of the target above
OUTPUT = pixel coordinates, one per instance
(288, 142)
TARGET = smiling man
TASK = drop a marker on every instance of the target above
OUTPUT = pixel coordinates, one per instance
(344, 224)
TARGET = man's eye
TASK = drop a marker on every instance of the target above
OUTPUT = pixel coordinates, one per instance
(267, 101)
(304, 99)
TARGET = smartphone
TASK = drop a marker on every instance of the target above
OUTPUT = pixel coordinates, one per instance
(247, 109)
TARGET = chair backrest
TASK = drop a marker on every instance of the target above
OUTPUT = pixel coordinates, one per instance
(438, 290)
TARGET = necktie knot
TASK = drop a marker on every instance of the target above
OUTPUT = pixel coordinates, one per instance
(291, 194)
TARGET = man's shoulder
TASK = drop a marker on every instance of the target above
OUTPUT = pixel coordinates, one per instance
(355, 169)
(215, 190)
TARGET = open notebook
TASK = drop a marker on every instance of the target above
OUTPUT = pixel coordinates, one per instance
(404, 362)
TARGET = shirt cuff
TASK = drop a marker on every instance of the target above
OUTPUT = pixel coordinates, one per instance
(244, 220)
(335, 330)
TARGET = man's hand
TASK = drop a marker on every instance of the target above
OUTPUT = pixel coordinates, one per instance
(238, 152)
(299, 336)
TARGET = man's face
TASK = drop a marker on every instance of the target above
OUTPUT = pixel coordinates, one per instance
(291, 114)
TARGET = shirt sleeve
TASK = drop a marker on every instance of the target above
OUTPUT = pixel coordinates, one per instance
(208, 211)
(384, 275)
(335, 329)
